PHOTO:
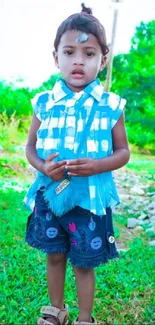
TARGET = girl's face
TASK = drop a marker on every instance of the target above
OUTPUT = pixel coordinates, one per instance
(79, 63)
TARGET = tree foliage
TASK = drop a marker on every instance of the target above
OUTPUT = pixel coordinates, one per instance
(133, 79)
(134, 73)
(14, 101)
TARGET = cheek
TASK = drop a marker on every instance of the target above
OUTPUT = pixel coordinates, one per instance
(63, 63)
(95, 65)
(62, 68)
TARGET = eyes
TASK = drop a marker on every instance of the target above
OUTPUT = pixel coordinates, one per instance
(68, 52)
(88, 54)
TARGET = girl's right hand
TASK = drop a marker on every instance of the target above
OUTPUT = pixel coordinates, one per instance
(54, 170)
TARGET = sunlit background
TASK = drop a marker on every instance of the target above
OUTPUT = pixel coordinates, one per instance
(125, 287)
(28, 28)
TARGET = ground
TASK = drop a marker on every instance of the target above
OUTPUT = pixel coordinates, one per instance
(124, 287)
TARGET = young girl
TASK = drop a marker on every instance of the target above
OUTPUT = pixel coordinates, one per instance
(64, 143)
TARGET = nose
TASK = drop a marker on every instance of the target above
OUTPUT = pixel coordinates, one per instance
(79, 59)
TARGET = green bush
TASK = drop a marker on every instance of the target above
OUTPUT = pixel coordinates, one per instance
(14, 101)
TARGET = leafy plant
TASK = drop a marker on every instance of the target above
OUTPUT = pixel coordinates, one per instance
(14, 101)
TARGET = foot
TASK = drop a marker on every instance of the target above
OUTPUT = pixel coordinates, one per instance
(52, 320)
(53, 315)
(81, 322)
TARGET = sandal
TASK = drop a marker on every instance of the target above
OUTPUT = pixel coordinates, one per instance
(59, 315)
(76, 322)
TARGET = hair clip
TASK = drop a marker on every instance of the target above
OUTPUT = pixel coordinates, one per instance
(82, 38)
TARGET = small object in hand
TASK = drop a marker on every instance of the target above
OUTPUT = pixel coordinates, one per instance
(62, 186)
(82, 38)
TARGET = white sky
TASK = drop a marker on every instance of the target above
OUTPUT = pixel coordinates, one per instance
(28, 28)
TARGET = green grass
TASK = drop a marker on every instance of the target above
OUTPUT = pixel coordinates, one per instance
(124, 288)
(142, 164)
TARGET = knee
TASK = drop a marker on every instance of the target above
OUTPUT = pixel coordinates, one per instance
(55, 259)
(82, 271)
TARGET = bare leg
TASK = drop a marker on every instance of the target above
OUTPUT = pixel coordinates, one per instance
(56, 270)
(85, 281)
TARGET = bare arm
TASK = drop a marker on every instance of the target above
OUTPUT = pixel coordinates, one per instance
(47, 167)
(31, 152)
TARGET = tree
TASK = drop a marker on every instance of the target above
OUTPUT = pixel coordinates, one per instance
(134, 79)
(14, 100)
(134, 73)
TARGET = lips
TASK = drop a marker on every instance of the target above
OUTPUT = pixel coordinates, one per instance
(78, 72)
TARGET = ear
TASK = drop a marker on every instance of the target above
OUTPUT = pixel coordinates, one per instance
(103, 62)
(55, 55)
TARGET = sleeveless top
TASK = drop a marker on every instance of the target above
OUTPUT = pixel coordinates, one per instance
(63, 115)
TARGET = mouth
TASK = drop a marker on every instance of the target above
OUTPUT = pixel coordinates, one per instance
(77, 73)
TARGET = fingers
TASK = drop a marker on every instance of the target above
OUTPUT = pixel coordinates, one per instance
(77, 174)
(77, 161)
(57, 173)
(58, 170)
(80, 173)
(56, 164)
(73, 174)
(76, 168)
(52, 156)
(59, 164)
(53, 169)
(80, 167)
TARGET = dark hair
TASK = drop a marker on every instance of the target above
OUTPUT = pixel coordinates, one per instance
(84, 22)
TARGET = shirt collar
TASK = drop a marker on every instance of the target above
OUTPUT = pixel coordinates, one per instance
(60, 90)
(95, 89)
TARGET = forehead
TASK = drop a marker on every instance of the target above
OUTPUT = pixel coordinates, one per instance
(69, 39)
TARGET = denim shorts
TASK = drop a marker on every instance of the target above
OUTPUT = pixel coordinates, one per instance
(88, 240)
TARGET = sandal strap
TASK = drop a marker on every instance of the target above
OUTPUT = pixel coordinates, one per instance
(76, 322)
(60, 315)
(42, 321)
(50, 311)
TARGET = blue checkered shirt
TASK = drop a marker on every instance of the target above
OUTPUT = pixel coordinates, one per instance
(63, 115)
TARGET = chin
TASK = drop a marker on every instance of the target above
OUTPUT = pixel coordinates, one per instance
(80, 83)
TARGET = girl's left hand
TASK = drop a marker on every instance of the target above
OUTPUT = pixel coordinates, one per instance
(81, 167)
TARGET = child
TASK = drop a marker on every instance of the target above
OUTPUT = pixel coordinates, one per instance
(84, 234)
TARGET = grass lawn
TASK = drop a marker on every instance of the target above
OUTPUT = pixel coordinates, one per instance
(124, 287)
(142, 163)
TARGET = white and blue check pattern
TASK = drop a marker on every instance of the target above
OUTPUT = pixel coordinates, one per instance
(63, 115)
